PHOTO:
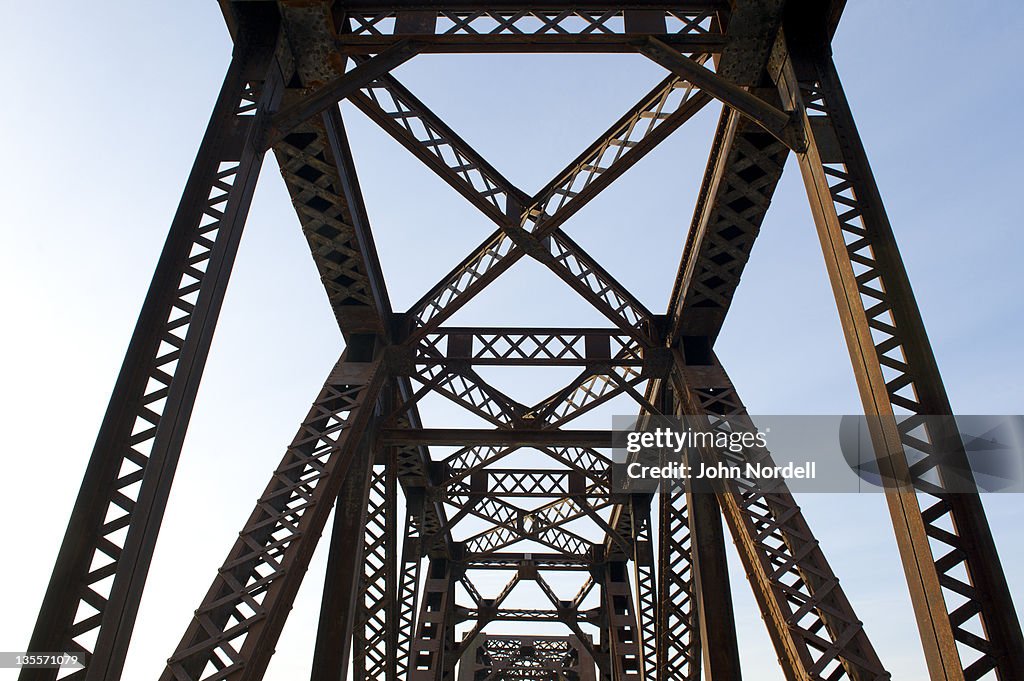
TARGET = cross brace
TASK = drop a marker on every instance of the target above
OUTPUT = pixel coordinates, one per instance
(653, 602)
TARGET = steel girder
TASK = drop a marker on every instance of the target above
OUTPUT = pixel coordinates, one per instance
(93, 596)
(529, 225)
(434, 638)
(529, 658)
(529, 347)
(743, 171)
(811, 622)
(364, 511)
(678, 639)
(657, 612)
(375, 638)
(547, 27)
(964, 609)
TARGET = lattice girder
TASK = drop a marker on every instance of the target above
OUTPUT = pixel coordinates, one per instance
(363, 442)
(966, 635)
(234, 630)
(529, 225)
(810, 620)
(93, 598)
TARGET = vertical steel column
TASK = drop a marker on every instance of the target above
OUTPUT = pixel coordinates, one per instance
(345, 581)
(338, 607)
(621, 624)
(815, 631)
(116, 518)
(714, 596)
(944, 537)
(409, 581)
(678, 636)
(677, 654)
(432, 628)
(646, 585)
(585, 662)
(709, 572)
(392, 620)
(375, 633)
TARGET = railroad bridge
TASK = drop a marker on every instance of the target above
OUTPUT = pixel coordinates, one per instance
(435, 512)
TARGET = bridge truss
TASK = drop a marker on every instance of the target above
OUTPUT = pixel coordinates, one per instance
(652, 599)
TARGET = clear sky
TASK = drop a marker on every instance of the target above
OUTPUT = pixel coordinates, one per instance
(105, 104)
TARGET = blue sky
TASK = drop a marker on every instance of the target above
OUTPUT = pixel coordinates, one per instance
(105, 106)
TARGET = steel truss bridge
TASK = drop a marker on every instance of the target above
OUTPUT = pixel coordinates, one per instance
(653, 600)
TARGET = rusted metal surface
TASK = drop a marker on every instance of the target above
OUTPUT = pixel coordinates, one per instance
(114, 524)
(425, 513)
(964, 610)
(528, 658)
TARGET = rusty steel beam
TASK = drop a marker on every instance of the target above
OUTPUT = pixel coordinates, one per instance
(316, 164)
(234, 630)
(815, 631)
(529, 347)
(364, 441)
(744, 168)
(434, 635)
(409, 583)
(527, 658)
(513, 43)
(128, 479)
(375, 635)
(619, 626)
(679, 638)
(714, 606)
(424, 134)
(964, 608)
(339, 605)
(504, 437)
(781, 125)
(510, 560)
(533, 484)
(528, 615)
(645, 585)
(330, 94)
(548, 27)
